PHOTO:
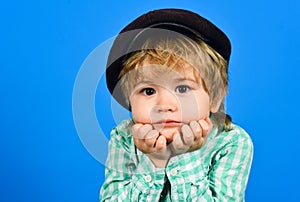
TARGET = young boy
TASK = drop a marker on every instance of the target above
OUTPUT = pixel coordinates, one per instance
(169, 67)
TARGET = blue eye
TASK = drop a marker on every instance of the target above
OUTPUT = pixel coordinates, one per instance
(182, 89)
(148, 91)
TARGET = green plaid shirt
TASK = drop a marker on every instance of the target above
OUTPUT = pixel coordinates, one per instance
(217, 172)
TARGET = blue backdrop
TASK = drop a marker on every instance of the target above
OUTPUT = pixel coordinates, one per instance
(45, 43)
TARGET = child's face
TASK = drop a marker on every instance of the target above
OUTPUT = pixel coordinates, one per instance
(167, 99)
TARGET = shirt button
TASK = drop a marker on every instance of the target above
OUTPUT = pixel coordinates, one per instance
(148, 178)
(174, 172)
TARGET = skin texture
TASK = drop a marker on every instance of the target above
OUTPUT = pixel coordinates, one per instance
(171, 113)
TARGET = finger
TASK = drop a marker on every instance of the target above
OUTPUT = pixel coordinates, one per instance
(151, 137)
(178, 147)
(143, 131)
(137, 137)
(161, 143)
(177, 141)
(188, 135)
(196, 129)
(205, 127)
(135, 128)
(210, 124)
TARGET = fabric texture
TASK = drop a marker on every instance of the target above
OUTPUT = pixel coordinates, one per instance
(217, 172)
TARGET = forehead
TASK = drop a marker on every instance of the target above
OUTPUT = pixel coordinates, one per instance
(179, 69)
(162, 72)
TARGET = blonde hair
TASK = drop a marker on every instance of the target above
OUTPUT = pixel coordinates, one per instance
(210, 69)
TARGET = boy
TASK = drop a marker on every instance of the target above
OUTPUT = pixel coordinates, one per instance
(169, 67)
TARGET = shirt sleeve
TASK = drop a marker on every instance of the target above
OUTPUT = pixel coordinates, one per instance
(129, 174)
(220, 175)
(230, 172)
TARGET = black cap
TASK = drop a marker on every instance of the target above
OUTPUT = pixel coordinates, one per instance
(156, 24)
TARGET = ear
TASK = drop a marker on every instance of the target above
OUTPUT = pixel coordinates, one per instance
(216, 103)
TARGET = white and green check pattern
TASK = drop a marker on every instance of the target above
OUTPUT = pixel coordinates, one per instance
(217, 172)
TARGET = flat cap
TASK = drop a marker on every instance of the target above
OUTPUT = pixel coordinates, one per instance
(155, 24)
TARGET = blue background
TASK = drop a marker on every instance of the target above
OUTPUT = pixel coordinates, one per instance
(43, 45)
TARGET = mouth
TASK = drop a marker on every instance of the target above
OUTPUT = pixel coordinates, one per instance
(167, 123)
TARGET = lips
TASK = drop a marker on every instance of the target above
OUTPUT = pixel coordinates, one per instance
(167, 123)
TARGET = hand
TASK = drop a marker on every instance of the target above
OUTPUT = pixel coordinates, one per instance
(151, 143)
(192, 137)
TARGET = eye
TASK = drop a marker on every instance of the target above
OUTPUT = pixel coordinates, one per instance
(182, 89)
(148, 91)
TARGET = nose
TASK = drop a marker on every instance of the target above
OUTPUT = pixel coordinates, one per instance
(166, 101)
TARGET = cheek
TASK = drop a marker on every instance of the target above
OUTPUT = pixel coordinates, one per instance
(195, 108)
(140, 112)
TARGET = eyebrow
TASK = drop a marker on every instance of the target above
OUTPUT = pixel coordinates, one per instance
(142, 81)
(150, 81)
(185, 79)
